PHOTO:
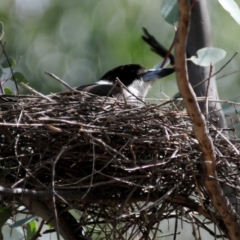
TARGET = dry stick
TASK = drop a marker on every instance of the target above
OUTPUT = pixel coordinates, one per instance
(123, 86)
(61, 81)
(30, 195)
(217, 71)
(109, 93)
(156, 203)
(53, 183)
(206, 101)
(35, 92)
(228, 74)
(220, 202)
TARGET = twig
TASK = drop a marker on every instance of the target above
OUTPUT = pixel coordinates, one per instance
(206, 94)
(234, 55)
(61, 81)
(124, 87)
(35, 92)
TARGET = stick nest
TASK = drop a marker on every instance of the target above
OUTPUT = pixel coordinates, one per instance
(123, 168)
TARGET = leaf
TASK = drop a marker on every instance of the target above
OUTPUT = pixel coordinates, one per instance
(207, 56)
(5, 214)
(8, 91)
(19, 77)
(7, 63)
(231, 7)
(31, 229)
(169, 11)
(22, 222)
(1, 30)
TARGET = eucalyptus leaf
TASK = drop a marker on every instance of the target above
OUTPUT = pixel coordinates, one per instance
(5, 214)
(7, 63)
(19, 77)
(169, 11)
(231, 7)
(31, 229)
(8, 91)
(207, 56)
(22, 222)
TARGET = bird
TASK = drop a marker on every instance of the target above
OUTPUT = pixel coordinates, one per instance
(135, 82)
(135, 79)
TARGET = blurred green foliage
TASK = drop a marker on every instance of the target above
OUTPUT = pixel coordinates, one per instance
(80, 40)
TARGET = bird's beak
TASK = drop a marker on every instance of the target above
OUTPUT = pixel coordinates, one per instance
(154, 74)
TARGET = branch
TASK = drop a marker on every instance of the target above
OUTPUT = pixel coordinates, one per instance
(220, 202)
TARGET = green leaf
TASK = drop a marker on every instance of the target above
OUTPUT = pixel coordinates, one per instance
(22, 222)
(7, 63)
(5, 214)
(207, 56)
(7, 91)
(1, 71)
(31, 229)
(1, 30)
(169, 11)
(19, 77)
(231, 7)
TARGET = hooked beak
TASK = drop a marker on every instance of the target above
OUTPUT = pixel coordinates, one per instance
(154, 74)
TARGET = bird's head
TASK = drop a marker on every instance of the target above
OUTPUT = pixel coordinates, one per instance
(135, 77)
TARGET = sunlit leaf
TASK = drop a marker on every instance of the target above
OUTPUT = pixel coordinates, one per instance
(31, 229)
(22, 222)
(8, 63)
(7, 91)
(207, 56)
(19, 77)
(231, 7)
(169, 11)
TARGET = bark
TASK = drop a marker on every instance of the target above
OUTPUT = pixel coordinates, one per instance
(219, 201)
(199, 36)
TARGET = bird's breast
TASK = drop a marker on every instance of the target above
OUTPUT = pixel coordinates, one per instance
(139, 88)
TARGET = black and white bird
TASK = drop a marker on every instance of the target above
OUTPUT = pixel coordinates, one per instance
(137, 79)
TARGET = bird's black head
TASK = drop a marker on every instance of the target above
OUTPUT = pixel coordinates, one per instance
(131, 72)
(125, 73)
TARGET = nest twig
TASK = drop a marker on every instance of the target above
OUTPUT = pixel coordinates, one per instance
(124, 168)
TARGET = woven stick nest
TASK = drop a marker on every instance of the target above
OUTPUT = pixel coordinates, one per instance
(123, 167)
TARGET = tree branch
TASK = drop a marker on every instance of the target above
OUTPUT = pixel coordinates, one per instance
(220, 202)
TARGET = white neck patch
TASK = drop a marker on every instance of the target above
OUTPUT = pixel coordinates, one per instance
(139, 88)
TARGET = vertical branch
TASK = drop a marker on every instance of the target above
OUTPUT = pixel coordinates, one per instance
(219, 201)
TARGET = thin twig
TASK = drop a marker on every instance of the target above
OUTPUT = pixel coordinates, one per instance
(35, 92)
(61, 81)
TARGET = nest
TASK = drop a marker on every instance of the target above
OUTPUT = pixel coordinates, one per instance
(124, 168)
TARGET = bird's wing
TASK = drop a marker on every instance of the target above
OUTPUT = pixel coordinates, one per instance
(96, 89)
(101, 90)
